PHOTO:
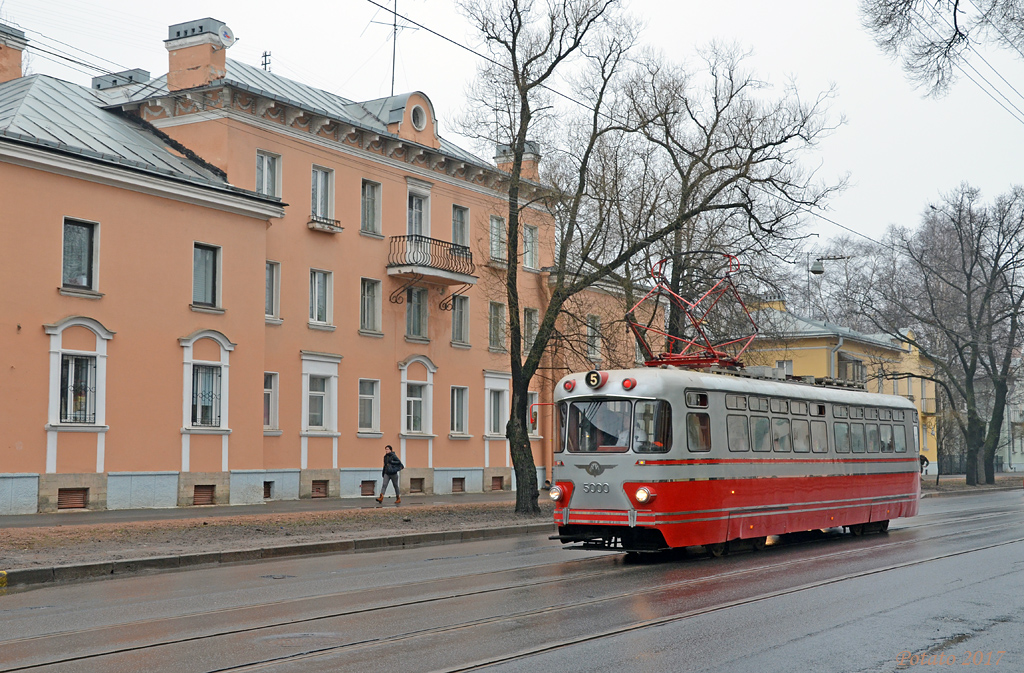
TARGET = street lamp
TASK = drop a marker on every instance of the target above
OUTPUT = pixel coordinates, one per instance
(817, 269)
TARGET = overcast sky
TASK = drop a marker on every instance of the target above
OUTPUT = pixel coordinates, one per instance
(900, 149)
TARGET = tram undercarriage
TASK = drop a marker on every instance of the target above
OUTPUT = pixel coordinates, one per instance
(612, 538)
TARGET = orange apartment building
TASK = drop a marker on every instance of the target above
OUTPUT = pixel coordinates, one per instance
(144, 221)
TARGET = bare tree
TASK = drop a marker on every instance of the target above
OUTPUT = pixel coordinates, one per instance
(652, 150)
(931, 37)
(958, 281)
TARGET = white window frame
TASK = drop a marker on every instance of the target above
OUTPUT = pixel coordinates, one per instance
(498, 240)
(325, 400)
(272, 291)
(268, 186)
(271, 395)
(188, 361)
(321, 181)
(370, 307)
(328, 286)
(415, 404)
(373, 225)
(374, 399)
(68, 370)
(323, 365)
(94, 256)
(460, 237)
(496, 327)
(530, 327)
(459, 411)
(217, 275)
(531, 253)
(217, 389)
(421, 190)
(416, 310)
(497, 412)
(428, 399)
(532, 425)
(460, 319)
(594, 337)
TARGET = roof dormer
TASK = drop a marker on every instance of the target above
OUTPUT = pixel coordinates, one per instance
(409, 116)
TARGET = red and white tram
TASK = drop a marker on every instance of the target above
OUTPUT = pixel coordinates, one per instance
(662, 457)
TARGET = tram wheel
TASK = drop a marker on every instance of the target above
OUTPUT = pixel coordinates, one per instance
(883, 526)
(856, 529)
(717, 550)
(760, 543)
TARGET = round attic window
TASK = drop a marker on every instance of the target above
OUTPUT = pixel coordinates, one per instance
(419, 118)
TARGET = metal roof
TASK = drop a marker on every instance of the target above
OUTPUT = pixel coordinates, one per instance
(783, 324)
(372, 115)
(52, 113)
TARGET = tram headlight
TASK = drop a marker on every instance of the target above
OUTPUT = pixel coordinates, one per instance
(555, 493)
(643, 495)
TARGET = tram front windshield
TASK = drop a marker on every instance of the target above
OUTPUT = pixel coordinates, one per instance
(616, 426)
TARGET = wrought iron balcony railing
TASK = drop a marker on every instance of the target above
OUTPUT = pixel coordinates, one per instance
(418, 250)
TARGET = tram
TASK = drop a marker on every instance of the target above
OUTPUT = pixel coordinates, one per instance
(661, 457)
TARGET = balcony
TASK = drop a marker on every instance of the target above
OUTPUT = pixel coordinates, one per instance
(419, 257)
(928, 405)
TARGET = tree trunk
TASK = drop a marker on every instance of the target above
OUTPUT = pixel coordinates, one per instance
(975, 437)
(522, 454)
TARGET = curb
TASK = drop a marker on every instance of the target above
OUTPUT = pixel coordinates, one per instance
(21, 577)
(976, 491)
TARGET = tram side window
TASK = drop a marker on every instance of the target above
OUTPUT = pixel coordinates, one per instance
(899, 438)
(871, 433)
(737, 402)
(842, 433)
(761, 431)
(801, 436)
(872, 414)
(781, 439)
(779, 406)
(739, 434)
(840, 411)
(885, 435)
(856, 412)
(898, 415)
(697, 400)
(819, 437)
(885, 414)
(758, 403)
(798, 408)
(817, 409)
(857, 437)
(652, 426)
(698, 432)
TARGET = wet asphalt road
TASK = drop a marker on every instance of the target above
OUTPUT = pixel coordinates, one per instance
(948, 583)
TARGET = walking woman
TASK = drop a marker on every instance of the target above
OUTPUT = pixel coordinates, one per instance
(392, 467)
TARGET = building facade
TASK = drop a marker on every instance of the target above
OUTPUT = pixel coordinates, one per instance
(145, 221)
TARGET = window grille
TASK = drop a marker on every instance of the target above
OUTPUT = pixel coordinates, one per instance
(78, 389)
(206, 396)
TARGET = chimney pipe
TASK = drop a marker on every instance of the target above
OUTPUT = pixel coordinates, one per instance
(12, 43)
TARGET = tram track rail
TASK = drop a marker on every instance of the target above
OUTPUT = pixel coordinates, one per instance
(484, 591)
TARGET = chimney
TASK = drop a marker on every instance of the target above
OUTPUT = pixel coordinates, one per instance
(12, 43)
(196, 53)
(531, 160)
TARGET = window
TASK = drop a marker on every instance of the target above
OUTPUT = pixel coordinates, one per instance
(267, 171)
(817, 409)
(416, 312)
(499, 244)
(369, 304)
(496, 326)
(652, 426)
(369, 405)
(496, 412)
(319, 296)
(417, 222)
(414, 407)
(782, 440)
(594, 337)
(885, 437)
(737, 402)
(801, 436)
(532, 413)
(840, 412)
(531, 255)
(758, 403)
(79, 269)
(798, 408)
(206, 393)
(77, 389)
(739, 434)
(857, 437)
(460, 319)
(370, 213)
(900, 438)
(779, 406)
(322, 185)
(419, 118)
(819, 437)
(205, 274)
(697, 400)
(531, 321)
(871, 434)
(272, 307)
(760, 430)
(269, 400)
(460, 226)
(698, 432)
(460, 410)
(316, 418)
(842, 433)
